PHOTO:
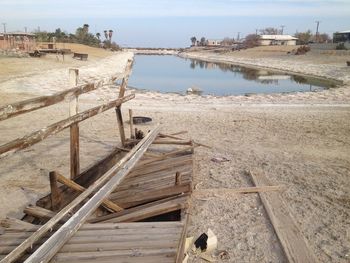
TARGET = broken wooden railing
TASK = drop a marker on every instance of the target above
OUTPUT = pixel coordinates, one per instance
(72, 94)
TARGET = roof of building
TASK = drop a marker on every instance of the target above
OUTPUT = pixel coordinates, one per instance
(277, 37)
(214, 40)
(20, 33)
(344, 32)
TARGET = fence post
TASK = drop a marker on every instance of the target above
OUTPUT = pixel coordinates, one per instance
(74, 128)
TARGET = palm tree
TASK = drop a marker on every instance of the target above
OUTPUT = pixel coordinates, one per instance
(202, 41)
(106, 34)
(110, 33)
(98, 35)
(86, 28)
(193, 40)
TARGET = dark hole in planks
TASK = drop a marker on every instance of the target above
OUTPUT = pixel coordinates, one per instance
(171, 216)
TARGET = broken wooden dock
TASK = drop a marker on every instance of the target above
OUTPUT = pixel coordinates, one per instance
(131, 206)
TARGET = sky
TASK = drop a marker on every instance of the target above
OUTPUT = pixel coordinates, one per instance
(165, 23)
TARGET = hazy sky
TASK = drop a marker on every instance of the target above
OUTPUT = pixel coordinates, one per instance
(165, 23)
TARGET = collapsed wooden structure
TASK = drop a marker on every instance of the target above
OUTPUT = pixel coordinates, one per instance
(131, 206)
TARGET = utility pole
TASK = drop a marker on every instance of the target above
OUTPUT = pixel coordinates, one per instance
(318, 23)
(25, 29)
(282, 27)
(256, 32)
(4, 24)
(238, 36)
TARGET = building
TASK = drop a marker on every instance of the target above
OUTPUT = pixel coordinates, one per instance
(343, 36)
(282, 40)
(213, 42)
(17, 40)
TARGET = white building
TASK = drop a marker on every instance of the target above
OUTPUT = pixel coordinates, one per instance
(213, 42)
(270, 40)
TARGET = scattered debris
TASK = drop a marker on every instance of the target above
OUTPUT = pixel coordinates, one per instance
(141, 119)
(219, 159)
(139, 134)
(201, 242)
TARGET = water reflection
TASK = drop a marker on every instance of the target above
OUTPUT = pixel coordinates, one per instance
(261, 76)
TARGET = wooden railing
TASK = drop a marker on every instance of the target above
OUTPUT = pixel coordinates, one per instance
(22, 107)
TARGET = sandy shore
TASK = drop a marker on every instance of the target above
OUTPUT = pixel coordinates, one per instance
(300, 140)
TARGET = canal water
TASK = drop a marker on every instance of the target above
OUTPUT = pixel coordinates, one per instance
(172, 74)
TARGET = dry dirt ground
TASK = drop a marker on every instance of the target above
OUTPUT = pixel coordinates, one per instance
(298, 140)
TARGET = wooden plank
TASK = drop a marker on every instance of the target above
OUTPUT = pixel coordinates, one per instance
(139, 148)
(29, 105)
(120, 123)
(181, 244)
(74, 151)
(107, 203)
(124, 259)
(135, 253)
(292, 240)
(39, 212)
(55, 192)
(118, 107)
(43, 133)
(241, 190)
(136, 198)
(132, 132)
(46, 251)
(145, 211)
(74, 128)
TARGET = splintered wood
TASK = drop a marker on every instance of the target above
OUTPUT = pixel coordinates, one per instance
(129, 192)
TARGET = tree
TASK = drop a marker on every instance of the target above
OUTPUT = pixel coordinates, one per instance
(251, 40)
(106, 34)
(269, 31)
(86, 28)
(98, 35)
(304, 37)
(193, 40)
(110, 34)
(228, 41)
(202, 42)
(323, 38)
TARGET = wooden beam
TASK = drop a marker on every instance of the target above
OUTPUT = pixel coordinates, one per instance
(29, 242)
(71, 184)
(39, 212)
(43, 133)
(46, 251)
(118, 110)
(132, 132)
(145, 211)
(55, 192)
(241, 190)
(292, 240)
(74, 128)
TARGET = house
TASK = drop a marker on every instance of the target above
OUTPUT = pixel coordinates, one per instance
(343, 36)
(213, 42)
(17, 40)
(270, 40)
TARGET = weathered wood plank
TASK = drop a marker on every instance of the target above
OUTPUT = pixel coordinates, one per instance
(41, 134)
(107, 203)
(29, 105)
(139, 148)
(46, 251)
(292, 240)
(55, 192)
(241, 190)
(145, 211)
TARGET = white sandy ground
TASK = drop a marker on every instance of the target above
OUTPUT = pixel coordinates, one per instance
(300, 140)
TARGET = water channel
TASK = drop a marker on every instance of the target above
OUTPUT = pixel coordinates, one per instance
(172, 74)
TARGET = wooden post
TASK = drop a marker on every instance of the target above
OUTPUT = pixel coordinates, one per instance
(74, 129)
(118, 110)
(55, 192)
(132, 136)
